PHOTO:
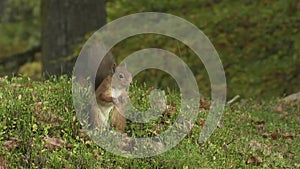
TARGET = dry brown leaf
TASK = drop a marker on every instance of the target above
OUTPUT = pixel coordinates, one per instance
(3, 164)
(170, 110)
(254, 145)
(82, 133)
(29, 85)
(201, 122)
(47, 117)
(2, 79)
(68, 145)
(260, 124)
(12, 143)
(53, 143)
(204, 104)
(39, 105)
(276, 135)
(172, 104)
(15, 85)
(96, 155)
(278, 109)
(149, 90)
(289, 135)
(254, 160)
(34, 95)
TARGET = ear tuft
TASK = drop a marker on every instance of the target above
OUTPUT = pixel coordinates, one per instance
(113, 68)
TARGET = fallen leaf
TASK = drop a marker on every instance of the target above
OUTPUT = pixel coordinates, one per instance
(12, 143)
(96, 155)
(3, 164)
(201, 122)
(29, 85)
(254, 160)
(46, 117)
(278, 108)
(53, 143)
(82, 133)
(254, 145)
(34, 95)
(220, 125)
(260, 124)
(289, 135)
(172, 104)
(39, 105)
(273, 135)
(149, 90)
(276, 135)
(15, 85)
(14, 138)
(2, 79)
(68, 145)
(170, 110)
(204, 104)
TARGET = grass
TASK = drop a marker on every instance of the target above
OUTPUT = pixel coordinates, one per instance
(38, 129)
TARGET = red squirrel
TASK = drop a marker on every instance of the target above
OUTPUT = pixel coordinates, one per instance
(110, 98)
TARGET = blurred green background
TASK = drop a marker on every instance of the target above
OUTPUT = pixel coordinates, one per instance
(258, 41)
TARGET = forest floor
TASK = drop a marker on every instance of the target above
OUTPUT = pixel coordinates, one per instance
(39, 129)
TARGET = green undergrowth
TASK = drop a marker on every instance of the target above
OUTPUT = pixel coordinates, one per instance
(39, 129)
(258, 42)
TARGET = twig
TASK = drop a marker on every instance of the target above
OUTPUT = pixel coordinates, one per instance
(233, 99)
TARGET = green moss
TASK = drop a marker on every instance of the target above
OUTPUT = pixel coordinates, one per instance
(32, 110)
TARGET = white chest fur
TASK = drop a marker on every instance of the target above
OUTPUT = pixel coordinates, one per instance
(104, 114)
(116, 93)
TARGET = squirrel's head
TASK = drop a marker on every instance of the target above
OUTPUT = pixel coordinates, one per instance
(122, 78)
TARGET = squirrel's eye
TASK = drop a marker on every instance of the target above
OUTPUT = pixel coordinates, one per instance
(121, 75)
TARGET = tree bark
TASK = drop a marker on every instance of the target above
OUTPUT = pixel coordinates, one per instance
(64, 24)
(2, 9)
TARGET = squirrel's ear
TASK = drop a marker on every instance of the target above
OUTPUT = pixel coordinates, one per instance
(113, 68)
(123, 64)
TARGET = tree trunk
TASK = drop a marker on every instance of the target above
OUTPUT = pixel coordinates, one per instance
(2, 9)
(64, 24)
